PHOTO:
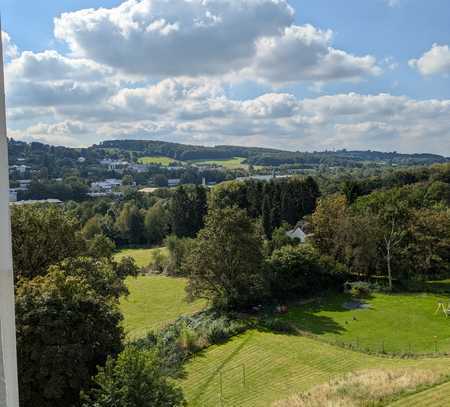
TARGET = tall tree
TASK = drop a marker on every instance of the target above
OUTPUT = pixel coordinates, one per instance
(267, 217)
(181, 213)
(42, 236)
(156, 224)
(130, 224)
(225, 263)
(200, 207)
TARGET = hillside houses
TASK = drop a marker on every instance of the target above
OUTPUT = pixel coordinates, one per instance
(106, 186)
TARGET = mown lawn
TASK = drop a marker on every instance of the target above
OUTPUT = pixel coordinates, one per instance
(154, 301)
(398, 322)
(156, 160)
(276, 367)
(143, 257)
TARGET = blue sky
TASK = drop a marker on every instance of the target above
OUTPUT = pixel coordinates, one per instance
(304, 74)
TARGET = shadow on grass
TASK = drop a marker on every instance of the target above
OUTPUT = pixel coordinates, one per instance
(200, 390)
(306, 317)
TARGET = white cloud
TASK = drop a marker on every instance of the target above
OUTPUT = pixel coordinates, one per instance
(304, 53)
(393, 3)
(10, 50)
(50, 79)
(52, 66)
(435, 61)
(65, 133)
(180, 37)
(161, 39)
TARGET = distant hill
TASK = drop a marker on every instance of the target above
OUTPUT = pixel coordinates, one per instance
(267, 156)
(134, 149)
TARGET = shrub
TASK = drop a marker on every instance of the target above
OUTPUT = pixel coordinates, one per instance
(159, 261)
(134, 379)
(276, 325)
(188, 335)
(300, 270)
(178, 249)
(361, 288)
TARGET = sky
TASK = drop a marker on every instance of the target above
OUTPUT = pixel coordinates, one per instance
(302, 75)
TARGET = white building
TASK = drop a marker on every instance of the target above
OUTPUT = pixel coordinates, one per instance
(114, 165)
(12, 195)
(266, 178)
(173, 182)
(24, 184)
(21, 169)
(106, 186)
(139, 168)
(297, 233)
(38, 201)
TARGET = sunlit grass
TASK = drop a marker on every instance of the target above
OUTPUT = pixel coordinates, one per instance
(157, 160)
(398, 323)
(142, 257)
(155, 301)
(278, 366)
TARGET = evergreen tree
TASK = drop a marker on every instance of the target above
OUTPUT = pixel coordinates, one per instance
(182, 214)
(200, 208)
(267, 217)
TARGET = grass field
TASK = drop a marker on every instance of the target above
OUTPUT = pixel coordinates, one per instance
(153, 302)
(143, 257)
(232, 163)
(156, 160)
(401, 323)
(277, 366)
(438, 396)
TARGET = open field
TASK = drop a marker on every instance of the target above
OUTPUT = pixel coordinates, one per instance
(438, 396)
(156, 160)
(401, 323)
(143, 257)
(231, 163)
(276, 367)
(153, 302)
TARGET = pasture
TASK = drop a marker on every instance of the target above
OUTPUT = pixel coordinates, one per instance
(156, 160)
(231, 163)
(142, 257)
(259, 367)
(154, 301)
(395, 323)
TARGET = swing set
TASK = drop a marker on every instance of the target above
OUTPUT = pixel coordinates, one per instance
(444, 307)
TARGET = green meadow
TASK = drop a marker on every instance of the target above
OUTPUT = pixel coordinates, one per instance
(156, 160)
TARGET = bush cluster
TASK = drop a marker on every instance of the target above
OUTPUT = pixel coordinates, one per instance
(188, 335)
